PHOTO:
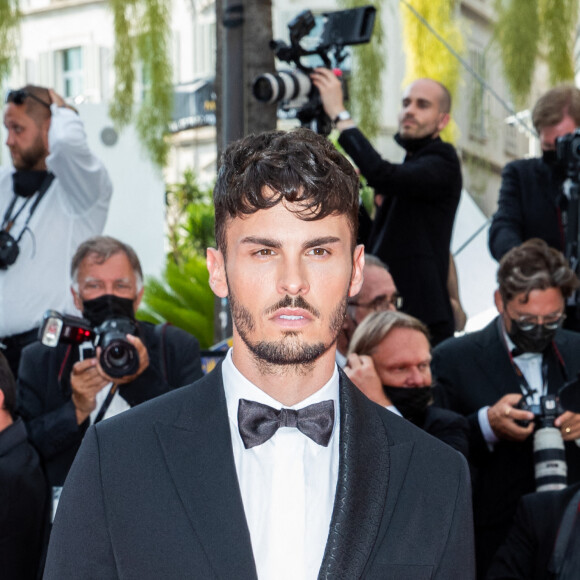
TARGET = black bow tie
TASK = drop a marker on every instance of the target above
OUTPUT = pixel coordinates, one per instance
(258, 423)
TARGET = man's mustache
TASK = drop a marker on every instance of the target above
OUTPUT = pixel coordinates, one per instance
(294, 302)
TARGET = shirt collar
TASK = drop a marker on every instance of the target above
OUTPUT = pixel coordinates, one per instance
(237, 386)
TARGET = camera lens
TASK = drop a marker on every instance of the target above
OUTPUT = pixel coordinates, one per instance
(119, 358)
(282, 86)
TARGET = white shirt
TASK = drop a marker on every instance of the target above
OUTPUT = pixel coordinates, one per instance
(287, 484)
(73, 209)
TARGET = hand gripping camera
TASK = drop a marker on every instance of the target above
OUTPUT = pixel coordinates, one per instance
(119, 358)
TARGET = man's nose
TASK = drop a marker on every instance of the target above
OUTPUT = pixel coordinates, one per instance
(292, 278)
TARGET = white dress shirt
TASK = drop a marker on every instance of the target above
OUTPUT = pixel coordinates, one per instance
(287, 484)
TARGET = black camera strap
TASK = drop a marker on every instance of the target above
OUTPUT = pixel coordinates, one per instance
(9, 219)
(106, 403)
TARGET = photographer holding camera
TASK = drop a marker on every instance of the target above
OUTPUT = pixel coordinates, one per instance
(56, 195)
(63, 390)
(522, 357)
(530, 198)
(416, 200)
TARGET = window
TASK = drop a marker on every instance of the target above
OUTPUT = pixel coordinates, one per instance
(72, 72)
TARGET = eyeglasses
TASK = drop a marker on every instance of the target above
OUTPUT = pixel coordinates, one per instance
(17, 97)
(381, 302)
(528, 323)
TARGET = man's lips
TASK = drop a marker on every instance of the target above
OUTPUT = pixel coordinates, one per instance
(291, 316)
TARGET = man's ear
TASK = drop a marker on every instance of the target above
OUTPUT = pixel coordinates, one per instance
(77, 299)
(443, 122)
(358, 264)
(217, 272)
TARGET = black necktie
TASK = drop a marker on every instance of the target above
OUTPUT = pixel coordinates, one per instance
(258, 423)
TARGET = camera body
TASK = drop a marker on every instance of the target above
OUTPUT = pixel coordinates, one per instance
(8, 250)
(545, 413)
(119, 358)
(568, 151)
(293, 88)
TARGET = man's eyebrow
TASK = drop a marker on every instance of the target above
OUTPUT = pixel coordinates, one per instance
(268, 242)
(324, 241)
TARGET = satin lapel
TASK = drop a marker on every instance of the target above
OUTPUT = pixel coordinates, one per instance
(199, 456)
(363, 478)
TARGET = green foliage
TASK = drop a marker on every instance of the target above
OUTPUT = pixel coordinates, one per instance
(558, 20)
(518, 19)
(9, 20)
(181, 297)
(190, 218)
(369, 64)
(142, 35)
(529, 29)
(426, 55)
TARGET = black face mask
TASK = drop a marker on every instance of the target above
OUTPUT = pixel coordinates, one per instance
(27, 183)
(549, 157)
(108, 306)
(411, 402)
(538, 339)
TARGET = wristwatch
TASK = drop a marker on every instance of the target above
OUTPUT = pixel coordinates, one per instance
(342, 116)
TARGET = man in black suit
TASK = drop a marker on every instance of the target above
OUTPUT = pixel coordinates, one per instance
(23, 490)
(389, 360)
(274, 465)
(540, 524)
(416, 200)
(63, 390)
(531, 201)
(483, 376)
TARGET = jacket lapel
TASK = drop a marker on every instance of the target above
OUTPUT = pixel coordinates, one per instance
(362, 505)
(199, 456)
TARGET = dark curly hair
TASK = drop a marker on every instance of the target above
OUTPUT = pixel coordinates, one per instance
(534, 265)
(298, 167)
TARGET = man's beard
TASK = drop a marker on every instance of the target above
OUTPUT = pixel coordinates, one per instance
(290, 349)
(30, 158)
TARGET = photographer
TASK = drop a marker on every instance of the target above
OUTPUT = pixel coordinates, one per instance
(56, 195)
(484, 375)
(530, 198)
(416, 200)
(63, 390)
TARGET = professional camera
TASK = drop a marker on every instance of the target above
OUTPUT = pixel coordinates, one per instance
(119, 358)
(293, 88)
(550, 465)
(8, 250)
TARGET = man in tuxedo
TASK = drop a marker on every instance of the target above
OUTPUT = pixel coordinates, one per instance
(274, 465)
(484, 375)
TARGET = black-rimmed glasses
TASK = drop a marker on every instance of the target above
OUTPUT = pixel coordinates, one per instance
(381, 302)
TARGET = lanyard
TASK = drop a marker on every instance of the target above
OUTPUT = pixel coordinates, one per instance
(9, 219)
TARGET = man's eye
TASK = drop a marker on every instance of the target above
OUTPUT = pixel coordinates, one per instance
(318, 252)
(265, 252)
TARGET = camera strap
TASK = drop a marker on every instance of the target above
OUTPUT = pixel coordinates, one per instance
(106, 403)
(9, 219)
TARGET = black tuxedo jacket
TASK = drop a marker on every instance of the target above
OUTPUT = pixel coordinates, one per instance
(528, 549)
(154, 494)
(527, 207)
(412, 228)
(44, 390)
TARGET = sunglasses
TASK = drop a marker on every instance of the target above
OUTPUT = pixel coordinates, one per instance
(18, 97)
